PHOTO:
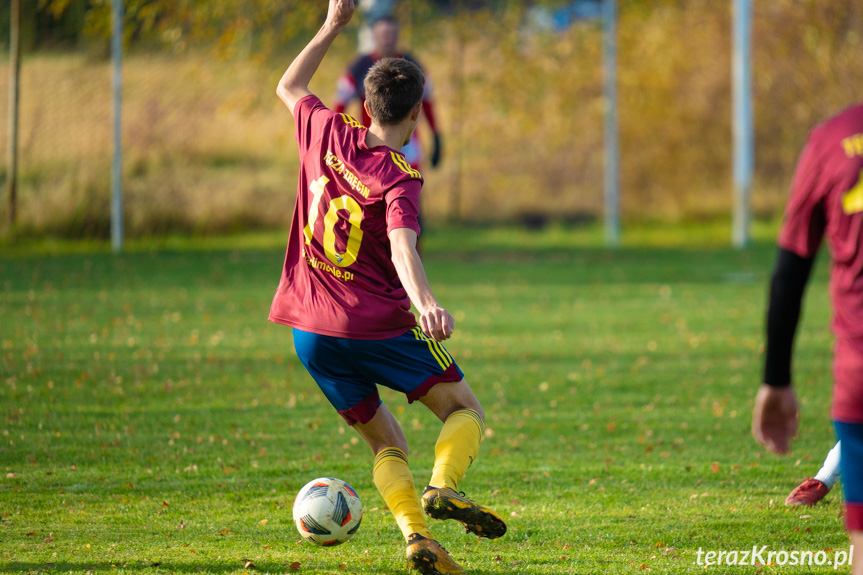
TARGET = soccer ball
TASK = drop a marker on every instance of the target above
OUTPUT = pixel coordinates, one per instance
(327, 511)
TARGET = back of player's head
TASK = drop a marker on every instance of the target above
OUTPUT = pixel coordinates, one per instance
(393, 87)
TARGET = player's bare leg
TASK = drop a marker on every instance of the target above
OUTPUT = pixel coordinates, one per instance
(456, 448)
(394, 480)
(382, 431)
(391, 473)
(857, 553)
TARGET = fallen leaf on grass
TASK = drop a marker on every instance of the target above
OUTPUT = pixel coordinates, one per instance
(295, 566)
(247, 564)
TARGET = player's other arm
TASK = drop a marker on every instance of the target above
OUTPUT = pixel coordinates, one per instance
(429, 114)
(774, 421)
(294, 84)
(437, 148)
(435, 321)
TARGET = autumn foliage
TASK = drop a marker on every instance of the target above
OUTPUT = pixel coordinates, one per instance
(207, 147)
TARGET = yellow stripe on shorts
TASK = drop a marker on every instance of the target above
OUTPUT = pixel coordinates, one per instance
(443, 358)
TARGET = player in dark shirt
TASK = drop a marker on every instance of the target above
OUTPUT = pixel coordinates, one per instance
(826, 201)
(385, 32)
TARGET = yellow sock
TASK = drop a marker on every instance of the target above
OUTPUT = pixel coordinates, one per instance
(456, 447)
(393, 479)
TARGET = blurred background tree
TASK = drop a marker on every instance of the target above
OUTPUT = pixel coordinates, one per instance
(519, 93)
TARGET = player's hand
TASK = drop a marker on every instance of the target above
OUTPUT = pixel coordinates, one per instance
(340, 12)
(436, 152)
(774, 419)
(437, 323)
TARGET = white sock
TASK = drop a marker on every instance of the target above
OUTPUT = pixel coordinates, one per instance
(829, 473)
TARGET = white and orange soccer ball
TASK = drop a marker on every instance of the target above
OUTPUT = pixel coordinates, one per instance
(327, 511)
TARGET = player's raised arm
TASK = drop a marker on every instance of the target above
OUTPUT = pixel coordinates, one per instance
(294, 84)
(435, 320)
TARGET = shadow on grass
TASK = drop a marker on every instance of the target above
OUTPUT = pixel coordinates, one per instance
(159, 568)
(143, 567)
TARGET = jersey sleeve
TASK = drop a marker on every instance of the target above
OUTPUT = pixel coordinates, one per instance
(805, 216)
(310, 116)
(403, 206)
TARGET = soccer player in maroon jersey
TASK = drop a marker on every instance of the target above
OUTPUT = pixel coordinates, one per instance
(350, 274)
(826, 201)
(385, 34)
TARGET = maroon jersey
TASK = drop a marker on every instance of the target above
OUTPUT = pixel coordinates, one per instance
(338, 278)
(827, 201)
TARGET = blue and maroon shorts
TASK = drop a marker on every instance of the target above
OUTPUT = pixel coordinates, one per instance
(348, 371)
(851, 467)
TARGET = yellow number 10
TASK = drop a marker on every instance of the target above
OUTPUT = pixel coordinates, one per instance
(355, 218)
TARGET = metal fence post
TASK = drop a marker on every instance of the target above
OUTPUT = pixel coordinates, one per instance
(14, 91)
(743, 134)
(116, 168)
(612, 176)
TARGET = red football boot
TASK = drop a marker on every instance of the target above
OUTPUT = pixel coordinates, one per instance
(809, 492)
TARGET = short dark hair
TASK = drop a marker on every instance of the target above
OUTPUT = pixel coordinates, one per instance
(393, 87)
(389, 19)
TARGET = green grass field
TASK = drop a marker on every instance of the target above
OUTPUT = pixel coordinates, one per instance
(153, 421)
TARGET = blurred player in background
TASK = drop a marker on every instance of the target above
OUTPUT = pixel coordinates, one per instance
(814, 489)
(385, 35)
(385, 38)
(350, 275)
(826, 201)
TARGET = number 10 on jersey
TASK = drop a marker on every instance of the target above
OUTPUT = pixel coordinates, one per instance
(355, 218)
